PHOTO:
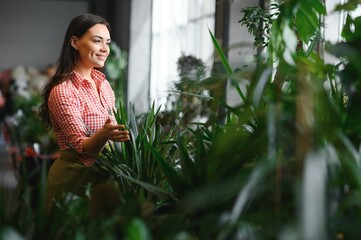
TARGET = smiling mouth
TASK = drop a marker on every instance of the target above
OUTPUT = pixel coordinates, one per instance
(101, 57)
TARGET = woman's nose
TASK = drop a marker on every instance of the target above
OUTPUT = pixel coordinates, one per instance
(105, 47)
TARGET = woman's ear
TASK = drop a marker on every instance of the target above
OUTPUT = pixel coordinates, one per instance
(74, 42)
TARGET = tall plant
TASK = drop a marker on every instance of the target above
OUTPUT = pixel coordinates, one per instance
(283, 164)
(131, 163)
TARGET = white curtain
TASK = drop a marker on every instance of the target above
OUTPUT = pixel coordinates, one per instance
(178, 27)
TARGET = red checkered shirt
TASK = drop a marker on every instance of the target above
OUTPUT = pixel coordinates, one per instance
(77, 110)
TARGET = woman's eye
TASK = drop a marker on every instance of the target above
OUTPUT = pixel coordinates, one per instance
(97, 41)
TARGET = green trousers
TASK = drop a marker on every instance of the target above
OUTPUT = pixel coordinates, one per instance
(68, 174)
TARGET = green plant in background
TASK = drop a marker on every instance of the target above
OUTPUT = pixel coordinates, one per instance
(190, 68)
(115, 69)
(301, 145)
(195, 97)
(284, 189)
(259, 22)
(283, 164)
(25, 127)
(349, 51)
(189, 88)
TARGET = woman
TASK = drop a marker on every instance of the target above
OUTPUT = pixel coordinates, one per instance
(77, 104)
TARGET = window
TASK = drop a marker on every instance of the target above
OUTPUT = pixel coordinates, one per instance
(334, 22)
(178, 27)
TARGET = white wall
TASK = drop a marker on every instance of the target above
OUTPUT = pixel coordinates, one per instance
(31, 32)
(241, 45)
(139, 54)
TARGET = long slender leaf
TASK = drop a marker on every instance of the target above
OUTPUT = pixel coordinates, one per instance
(179, 184)
(226, 65)
(188, 167)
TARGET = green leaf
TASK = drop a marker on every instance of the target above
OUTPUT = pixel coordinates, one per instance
(188, 167)
(261, 85)
(319, 7)
(149, 187)
(349, 5)
(226, 65)
(221, 54)
(200, 162)
(137, 230)
(306, 23)
(347, 31)
(179, 185)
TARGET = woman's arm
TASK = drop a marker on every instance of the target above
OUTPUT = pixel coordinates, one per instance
(66, 109)
(95, 143)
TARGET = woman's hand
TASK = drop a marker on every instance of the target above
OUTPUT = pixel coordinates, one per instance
(114, 133)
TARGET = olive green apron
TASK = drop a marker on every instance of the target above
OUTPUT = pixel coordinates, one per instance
(68, 174)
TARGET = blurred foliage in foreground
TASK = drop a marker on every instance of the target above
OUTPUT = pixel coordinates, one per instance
(283, 164)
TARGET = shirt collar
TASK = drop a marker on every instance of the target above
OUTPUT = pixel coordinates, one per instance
(97, 76)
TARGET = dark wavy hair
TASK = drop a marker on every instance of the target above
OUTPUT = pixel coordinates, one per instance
(67, 59)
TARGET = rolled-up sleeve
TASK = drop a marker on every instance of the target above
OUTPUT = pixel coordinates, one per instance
(66, 114)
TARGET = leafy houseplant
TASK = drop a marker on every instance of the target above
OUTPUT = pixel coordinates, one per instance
(195, 97)
(191, 71)
(259, 22)
(283, 164)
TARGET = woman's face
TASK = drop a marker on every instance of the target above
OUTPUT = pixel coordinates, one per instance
(93, 46)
